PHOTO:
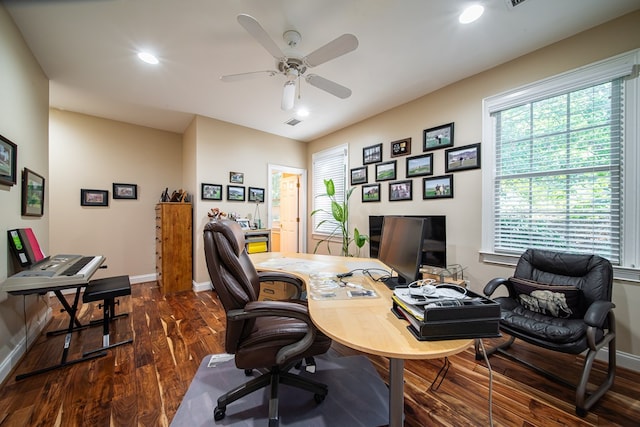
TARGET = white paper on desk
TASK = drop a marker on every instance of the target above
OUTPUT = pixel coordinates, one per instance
(296, 265)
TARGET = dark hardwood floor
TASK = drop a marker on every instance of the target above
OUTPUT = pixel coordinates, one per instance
(142, 384)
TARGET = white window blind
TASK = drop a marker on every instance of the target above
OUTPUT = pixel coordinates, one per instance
(328, 164)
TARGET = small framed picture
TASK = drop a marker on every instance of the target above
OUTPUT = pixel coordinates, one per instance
(235, 193)
(372, 154)
(125, 191)
(8, 162)
(244, 223)
(32, 193)
(438, 187)
(94, 197)
(211, 191)
(359, 175)
(236, 177)
(401, 147)
(256, 195)
(386, 171)
(438, 137)
(400, 190)
(420, 165)
(462, 158)
(371, 193)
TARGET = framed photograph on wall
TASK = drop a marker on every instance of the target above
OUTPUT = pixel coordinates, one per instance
(8, 162)
(125, 191)
(372, 154)
(94, 197)
(438, 137)
(256, 195)
(32, 193)
(462, 158)
(438, 187)
(210, 191)
(420, 165)
(386, 171)
(359, 175)
(371, 193)
(236, 177)
(235, 193)
(401, 147)
(400, 190)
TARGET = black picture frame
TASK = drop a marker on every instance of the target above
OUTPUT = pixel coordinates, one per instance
(462, 158)
(8, 162)
(359, 175)
(370, 193)
(431, 190)
(236, 177)
(94, 197)
(256, 195)
(236, 193)
(437, 137)
(401, 147)
(372, 154)
(401, 190)
(125, 191)
(32, 193)
(210, 191)
(386, 171)
(419, 165)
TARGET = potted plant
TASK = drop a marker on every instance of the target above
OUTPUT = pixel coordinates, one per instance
(340, 215)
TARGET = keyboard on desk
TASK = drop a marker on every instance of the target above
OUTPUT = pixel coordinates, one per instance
(54, 272)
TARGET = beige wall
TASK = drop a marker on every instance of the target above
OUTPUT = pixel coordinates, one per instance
(93, 153)
(24, 106)
(462, 103)
(222, 148)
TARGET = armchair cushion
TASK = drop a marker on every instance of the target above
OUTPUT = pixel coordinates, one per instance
(561, 301)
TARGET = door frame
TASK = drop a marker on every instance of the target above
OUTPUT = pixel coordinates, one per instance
(302, 200)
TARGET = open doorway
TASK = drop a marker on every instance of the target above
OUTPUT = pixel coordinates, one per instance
(287, 208)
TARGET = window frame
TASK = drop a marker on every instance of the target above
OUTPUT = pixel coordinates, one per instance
(623, 65)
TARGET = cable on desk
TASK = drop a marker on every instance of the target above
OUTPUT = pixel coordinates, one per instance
(486, 359)
(441, 374)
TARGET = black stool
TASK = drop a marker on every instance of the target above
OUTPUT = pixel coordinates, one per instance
(107, 290)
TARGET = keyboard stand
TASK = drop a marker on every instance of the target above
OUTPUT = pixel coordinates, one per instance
(73, 320)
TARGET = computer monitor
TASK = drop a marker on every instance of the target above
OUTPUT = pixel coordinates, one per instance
(401, 248)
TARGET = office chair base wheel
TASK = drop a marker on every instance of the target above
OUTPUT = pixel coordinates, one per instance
(319, 398)
(218, 413)
(581, 412)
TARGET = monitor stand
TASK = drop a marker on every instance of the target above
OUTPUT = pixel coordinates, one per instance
(394, 282)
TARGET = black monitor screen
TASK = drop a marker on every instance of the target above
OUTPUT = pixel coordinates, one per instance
(401, 246)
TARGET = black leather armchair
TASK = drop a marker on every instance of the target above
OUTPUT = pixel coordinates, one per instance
(561, 302)
(271, 335)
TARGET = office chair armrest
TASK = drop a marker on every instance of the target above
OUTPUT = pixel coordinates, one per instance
(281, 276)
(493, 284)
(289, 309)
(597, 313)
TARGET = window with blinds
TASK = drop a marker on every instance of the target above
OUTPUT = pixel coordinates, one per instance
(558, 173)
(328, 164)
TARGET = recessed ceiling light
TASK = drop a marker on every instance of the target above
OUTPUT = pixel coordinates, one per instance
(148, 58)
(470, 14)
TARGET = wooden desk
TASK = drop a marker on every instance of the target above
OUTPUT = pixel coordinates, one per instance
(368, 324)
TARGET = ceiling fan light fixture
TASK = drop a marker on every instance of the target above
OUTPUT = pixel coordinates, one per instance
(288, 95)
(471, 14)
(147, 57)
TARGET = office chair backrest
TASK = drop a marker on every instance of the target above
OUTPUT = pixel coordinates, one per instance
(590, 273)
(232, 274)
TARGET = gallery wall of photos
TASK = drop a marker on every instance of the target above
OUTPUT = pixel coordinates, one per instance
(437, 146)
(236, 192)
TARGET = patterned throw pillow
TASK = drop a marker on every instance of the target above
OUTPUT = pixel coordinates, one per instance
(552, 300)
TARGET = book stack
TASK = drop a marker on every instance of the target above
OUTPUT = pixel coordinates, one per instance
(451, 312)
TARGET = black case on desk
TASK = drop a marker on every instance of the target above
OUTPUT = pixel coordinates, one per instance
(477, 318)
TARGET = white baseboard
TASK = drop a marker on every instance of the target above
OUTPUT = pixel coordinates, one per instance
(624, 360)
(199, 287)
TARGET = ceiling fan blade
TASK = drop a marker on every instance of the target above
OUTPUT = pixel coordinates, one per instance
(328, 86)
(338, 47)
(246, 76)
(254, 28)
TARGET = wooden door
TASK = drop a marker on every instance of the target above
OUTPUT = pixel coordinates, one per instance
(289, 213)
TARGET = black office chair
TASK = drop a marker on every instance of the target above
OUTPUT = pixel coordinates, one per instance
(272, 335)
(560, 302)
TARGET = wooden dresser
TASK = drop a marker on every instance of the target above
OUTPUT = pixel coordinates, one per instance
(174, 249)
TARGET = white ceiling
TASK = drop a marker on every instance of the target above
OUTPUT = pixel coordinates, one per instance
(407, 48)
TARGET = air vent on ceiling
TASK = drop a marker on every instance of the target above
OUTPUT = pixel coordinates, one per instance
(292, 122)
(513, 3)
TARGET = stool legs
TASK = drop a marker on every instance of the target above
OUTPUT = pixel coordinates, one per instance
(108, 313)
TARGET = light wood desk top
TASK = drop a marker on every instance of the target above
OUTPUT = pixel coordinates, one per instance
(365, 324)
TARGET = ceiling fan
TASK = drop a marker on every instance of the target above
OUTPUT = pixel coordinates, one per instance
(292, 66)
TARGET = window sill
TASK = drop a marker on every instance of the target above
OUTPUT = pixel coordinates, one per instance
(626, 274)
